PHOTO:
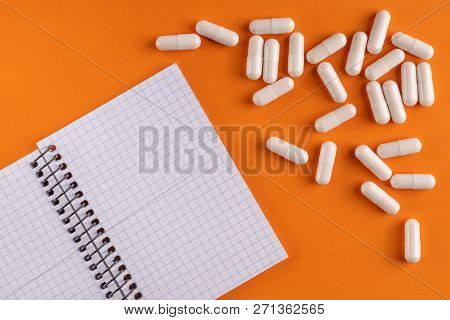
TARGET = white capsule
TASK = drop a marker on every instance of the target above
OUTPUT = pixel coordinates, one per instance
(394, 101)
(287, 150)
(385, 64)
(296, 54)
(413, 181)
(412, 241)
(355, 56)
(335, 118)
(178, 42)
(272, 26)
(377, 103)
(399, 148)
(326, 48)
(255, 57)
(413, 46)
(378, 33)
(425, 84)
(326, 162)
(332, 82)
(378, 196)
(409, 84)
(273, 91)
(271, 57)
(217, 33)
(372, 162)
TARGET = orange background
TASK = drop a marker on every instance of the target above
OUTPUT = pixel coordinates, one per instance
(61, 59)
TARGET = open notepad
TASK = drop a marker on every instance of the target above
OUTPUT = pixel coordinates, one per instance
(143, 219)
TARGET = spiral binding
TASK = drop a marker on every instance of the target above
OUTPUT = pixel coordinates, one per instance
(81, 223)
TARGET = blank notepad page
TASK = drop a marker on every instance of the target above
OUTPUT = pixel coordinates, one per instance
(167, 192)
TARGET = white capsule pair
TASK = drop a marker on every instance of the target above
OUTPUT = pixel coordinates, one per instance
(272, 26)
(412, 241)
(417, 84)
(335, 118)
(372, 162)
(217, 33)
(326, 48)
(326, 162)
(332, 82)
(286, 150)
(386, 102)
(178, 42)
(273, 91)
(379, 197)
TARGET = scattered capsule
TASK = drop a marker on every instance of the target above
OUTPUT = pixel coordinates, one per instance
(378, 196)
(335, 118)
(272, 26)
(409, 84)
(378, 33)
(255, 57)
(326, 162)
(412, 241)
(217, 33)
(399, 148)
(178, 42)
(286, 150)
(377, 103)
(394, 101)
(413, 46)
(413, 181)
(332, 82)
(326, 48)
(355, 56)
(372, 162)
(271, 57)
(296, 55)
(385, 64)
(273, 91)
(425, 84)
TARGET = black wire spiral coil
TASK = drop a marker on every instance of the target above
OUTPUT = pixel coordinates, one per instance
(80, 222)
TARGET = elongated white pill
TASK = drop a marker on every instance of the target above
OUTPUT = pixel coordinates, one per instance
(273, 91)
(272, 26)
(372, 162)
(377, 103)
(413, 181)
(255, 57)
(217, 33)
(326, 162)
(296, 55)
(178, 42)
(378, 33)
(332, 82)
(335, 118)
(378, 196)
(385, 64)
(286, 150)
(355, 56)
(326, 48)
(271, 57)
(410, 94)
(394, 101)
(399, 148)
(412, 241)
(425, 84)
(413, 46)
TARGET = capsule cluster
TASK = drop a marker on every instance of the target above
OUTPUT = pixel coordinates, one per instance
(387, 101)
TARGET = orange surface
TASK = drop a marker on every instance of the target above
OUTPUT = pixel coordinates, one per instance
(60, 60)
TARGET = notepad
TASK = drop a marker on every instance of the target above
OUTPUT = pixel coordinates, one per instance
(160, 186)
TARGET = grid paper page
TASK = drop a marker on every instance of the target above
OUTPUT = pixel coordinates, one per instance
(191, 233)
(38, 259)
